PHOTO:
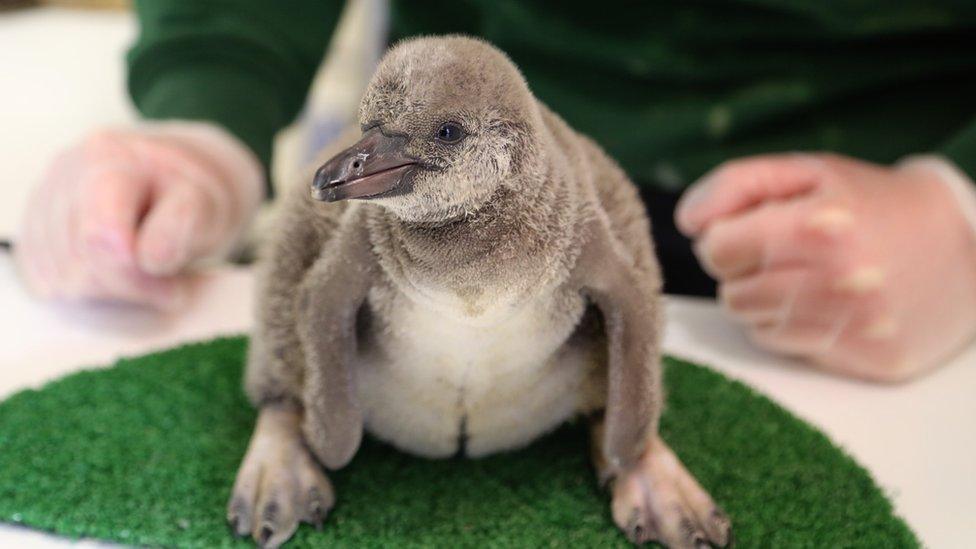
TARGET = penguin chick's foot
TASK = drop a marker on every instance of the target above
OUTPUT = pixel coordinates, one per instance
(659, 500)
(279, 483)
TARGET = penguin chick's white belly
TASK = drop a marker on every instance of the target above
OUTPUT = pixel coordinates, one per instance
(433, 375)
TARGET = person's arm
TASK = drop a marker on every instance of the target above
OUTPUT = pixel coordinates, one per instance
(243, 64)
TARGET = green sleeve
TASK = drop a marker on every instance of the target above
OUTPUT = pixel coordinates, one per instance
(243, 64)
(961, 149)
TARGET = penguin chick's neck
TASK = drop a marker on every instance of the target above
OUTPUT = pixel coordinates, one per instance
(518, 239)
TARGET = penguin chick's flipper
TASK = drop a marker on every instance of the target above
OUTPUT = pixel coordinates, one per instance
(279, 483)
(329, 300)
(627, 297)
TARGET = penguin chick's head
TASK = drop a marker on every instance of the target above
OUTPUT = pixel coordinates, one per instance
(447, 121)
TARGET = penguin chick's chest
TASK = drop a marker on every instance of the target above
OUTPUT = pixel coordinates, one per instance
(433, 374)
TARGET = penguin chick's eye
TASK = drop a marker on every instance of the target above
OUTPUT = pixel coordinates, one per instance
(450, 132)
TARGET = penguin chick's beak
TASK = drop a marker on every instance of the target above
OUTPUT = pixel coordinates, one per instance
(375, 166)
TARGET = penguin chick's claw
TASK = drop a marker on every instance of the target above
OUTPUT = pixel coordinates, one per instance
(279, 483)
(659, 500)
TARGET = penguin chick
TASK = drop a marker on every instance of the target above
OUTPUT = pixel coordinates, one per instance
(467, 276)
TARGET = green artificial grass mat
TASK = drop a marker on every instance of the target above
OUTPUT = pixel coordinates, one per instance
(145, 453)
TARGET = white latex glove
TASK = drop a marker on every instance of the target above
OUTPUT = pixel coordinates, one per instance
(121, 216)
(865, 270)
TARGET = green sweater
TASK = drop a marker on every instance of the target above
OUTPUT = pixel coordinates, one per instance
(670, 89)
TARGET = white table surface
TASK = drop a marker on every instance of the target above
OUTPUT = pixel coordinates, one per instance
(918, 440)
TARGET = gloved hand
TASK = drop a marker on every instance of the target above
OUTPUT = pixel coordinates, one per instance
(866, 270)
(121, 216)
